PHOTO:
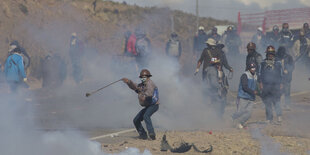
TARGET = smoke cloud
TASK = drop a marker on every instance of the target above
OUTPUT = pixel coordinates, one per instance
(21, 135)
(183, 101)
(268, 146)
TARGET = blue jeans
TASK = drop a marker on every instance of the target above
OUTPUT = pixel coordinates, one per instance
(145, 114)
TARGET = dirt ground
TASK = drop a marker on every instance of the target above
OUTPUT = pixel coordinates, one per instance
(291, 137)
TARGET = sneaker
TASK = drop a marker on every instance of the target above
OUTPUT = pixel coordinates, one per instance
(143, 136)
(279, 119)
(239, 126)
(268, 121)
(152, 136)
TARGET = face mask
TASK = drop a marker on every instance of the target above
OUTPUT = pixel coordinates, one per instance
(250, 50)
(143, 79)
(252, 70)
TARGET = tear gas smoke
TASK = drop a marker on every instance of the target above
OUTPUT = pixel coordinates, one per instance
(20, 135)
(183, 102)
(267, 144)
(115, 106)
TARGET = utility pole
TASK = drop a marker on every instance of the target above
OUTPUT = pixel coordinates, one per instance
(197, 15)
(172, 23)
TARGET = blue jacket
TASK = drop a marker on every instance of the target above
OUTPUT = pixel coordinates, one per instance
(14, 68)
(247, 86)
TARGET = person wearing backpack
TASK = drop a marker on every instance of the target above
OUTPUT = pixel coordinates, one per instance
(26, 58)
(14, 69)
(213, 60)
(76, 53)
(127, 35)
(143, 48)
(173, 46)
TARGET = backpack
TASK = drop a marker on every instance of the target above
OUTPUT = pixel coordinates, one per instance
(142, 47)
(173, 48)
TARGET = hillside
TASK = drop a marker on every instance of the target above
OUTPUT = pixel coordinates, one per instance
(45, 26)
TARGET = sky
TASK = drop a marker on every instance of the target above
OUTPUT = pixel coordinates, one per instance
(223, 9)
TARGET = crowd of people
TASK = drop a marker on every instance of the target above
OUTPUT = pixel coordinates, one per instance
(269, 78)
(53, 69)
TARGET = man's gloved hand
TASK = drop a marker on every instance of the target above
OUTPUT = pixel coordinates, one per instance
(125, 80)
(196, 71)
(25, 79)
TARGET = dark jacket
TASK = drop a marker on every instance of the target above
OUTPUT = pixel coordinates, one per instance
(233, 42)
(270, 72)
(214, 52)
(288, 66)
(307, 34)
(200, 41)
(274, 39)
(286, 39)
(254, 57)
(54, 71)
(76, 50)
(216, 37)
(260, 41)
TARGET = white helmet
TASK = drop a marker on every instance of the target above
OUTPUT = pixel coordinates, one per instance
(260, 29)
(201, 28)
(74, 34)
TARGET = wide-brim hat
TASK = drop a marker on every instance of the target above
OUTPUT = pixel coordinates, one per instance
(211, 42)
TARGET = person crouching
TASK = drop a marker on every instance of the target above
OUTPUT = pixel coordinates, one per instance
(149, 99)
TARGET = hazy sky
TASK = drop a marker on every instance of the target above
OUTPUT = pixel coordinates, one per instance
(223, 9)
